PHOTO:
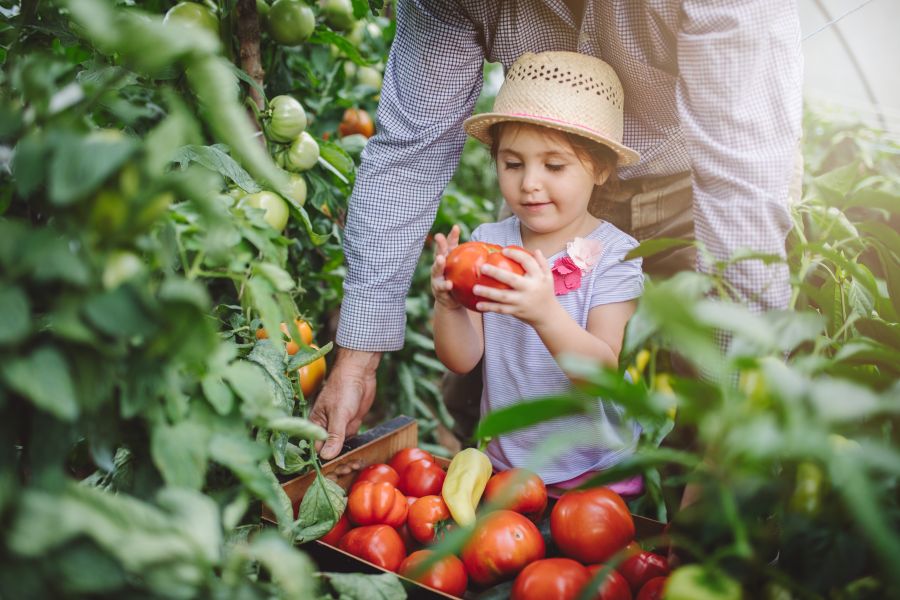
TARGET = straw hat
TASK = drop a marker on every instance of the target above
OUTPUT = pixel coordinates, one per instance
(567, 91)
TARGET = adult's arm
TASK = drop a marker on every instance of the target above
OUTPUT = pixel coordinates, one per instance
(739, 97)
(431, 82)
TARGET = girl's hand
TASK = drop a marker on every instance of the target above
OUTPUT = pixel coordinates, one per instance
(532, 293)
(440, 287)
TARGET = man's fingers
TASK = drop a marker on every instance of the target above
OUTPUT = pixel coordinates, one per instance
(332, 446)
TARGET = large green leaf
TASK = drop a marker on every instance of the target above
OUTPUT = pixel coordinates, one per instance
(215, 158)
(180, 453)
(360, 586)
(44, 378)
(322, 505)
(15, 315)
(291, 569)
(528, 413)
(80, 164)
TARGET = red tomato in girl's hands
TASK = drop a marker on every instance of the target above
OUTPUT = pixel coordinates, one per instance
(591, 525)
(653, 589)
(501, 545)
(375, 503)
(379, 544)
(337, 532)
(520, 490)
(446, 575)
(423, 477)
(378, 472)
(425, 517)
(463, 269)
(614, 586)
(407, 455)
(557, 578)
(641, 568)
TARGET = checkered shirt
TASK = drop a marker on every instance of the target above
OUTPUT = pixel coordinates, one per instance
(711, 86)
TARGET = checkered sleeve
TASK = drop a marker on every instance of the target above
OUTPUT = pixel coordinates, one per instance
(739, 99)
(432, 79)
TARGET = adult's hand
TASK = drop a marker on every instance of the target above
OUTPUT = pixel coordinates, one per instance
(346, 398)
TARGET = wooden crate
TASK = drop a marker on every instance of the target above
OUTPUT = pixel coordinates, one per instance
(378, 445)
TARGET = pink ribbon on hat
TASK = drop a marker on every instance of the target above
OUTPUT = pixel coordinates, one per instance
(582, 255)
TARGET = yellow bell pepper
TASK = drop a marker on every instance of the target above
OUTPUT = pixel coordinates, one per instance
(467, 476)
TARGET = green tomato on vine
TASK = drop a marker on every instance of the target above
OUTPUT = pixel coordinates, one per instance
(287, 120)
(290, 22)
(193, 14)
(276, 208)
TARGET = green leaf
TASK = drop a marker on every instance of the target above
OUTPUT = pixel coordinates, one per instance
(43, 377)
(165, 140)
(836, 184)
(119, 313)
(280, 279)
(81, 164)
(15, 315)
(655, 246)
(838, 400)
(216, 159)
(321, 507)
(271, 358)
(526, 414)
(243, 76)
(52, 257)
(360, 9)
(249, 382)
(878, 329)
(217, 393)
(872, 198)
(305, 356)
(291, 570)
(180, 453)
(323, 35)
(297, 427)
(359, 586)
(338, 158)
(29, 163)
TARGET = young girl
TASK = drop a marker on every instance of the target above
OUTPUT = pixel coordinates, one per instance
(555, 134)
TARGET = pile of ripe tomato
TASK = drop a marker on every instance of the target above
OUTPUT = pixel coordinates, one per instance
(398, 506)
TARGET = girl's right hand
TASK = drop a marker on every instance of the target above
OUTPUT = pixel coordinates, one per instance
(440, 287)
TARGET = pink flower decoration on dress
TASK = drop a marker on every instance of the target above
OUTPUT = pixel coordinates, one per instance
(581, 257)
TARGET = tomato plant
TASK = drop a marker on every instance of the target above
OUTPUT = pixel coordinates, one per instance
(302, 154)
(378, 472)
(561, 578)
(447, 575)
(502, 543)
(379, 544)
(372, 503)
(463, 270)
(426, 517)
(520, 490)
(303, 327)
(422, 477)
(641, 568)
(403, 457)
(591, 525)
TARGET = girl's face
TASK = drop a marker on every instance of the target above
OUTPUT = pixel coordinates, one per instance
(546, 184)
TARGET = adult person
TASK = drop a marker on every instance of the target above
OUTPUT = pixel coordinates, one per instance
(712, 104)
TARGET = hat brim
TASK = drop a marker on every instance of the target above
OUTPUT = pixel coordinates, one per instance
(479, 126)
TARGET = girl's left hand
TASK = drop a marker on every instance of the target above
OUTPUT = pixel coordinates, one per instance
(532, 293)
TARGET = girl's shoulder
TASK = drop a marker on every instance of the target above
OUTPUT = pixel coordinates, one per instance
(616, 243)
(504, 233)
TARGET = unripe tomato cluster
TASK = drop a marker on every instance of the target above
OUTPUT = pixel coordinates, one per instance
(395, 511)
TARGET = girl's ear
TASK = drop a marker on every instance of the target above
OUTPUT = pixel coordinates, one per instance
(603, 174)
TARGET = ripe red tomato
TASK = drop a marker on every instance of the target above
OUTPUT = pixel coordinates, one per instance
(653, 589)
(372, 503)
(501, 545)
(422, 477)
(520, 490)
(614, 586)
(335, 534)
(557, 578)
(425, 517)
(643, 567)
(447, 575)
(379, 544)
(376, 473)
(407, 455)
(356, 120)
(463, 269)
(591, 525)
